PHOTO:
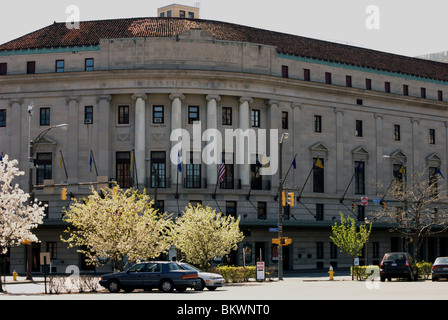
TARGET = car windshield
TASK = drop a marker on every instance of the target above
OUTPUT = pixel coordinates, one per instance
(187, 266)
(441, 260)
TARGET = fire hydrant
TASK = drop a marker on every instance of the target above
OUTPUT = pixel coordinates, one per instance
(14, 275)
(331, 272)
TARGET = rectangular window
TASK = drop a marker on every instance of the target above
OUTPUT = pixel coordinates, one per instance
(405, 90)
(52, 249)
(181, 14)
(319, 250)
(193, 114)
(255, 117)
(231, 208)
(318, 175)
(88, 114)
(3, 69)
(44, 118)
(3, 118)
(333, 251)
(123, 169)
(423, 93)
(433, 181)
(284, 120)
(256, 179)
(190, 15)
(399, 172)
(193, 176)
(262, 210)
(123, 115)
(319, 212)
(307, 74)
(360, 177)
(317, 123)
(44, 167)
(358, 129)
(328, 77)
(158, 114)
(432, 136)
(60, 65)
(285, 72)
(158, 169)
(397, 135)
(226, 116)
(348, 81)
(368, 84)
(89, 64)
(228, 181)
(31, 67)
(440, 95)
(387, 87)
(168, 13)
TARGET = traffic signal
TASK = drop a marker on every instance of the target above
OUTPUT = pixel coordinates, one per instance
(290, 199)
(283, 198)
(383, 205)
(354, 207)
(276, 241)
(64, 194)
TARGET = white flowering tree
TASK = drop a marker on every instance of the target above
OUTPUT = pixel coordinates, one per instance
(116, 224)
(17, 216)
(203, 235)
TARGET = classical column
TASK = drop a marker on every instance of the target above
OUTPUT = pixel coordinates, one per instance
(140, 139)
(176, 123)
(242, 148)
(212, 123)
(272, 123)
(380, 168)
(103, 157)
(339, 167)
(73, 134)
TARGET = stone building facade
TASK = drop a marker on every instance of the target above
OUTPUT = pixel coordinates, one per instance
(123, 93)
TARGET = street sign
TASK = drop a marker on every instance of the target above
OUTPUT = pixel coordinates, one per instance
(364, 201)
(273, 229)
(376, 200)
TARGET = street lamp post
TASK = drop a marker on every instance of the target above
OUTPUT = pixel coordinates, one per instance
(280, 206)
(32, 146)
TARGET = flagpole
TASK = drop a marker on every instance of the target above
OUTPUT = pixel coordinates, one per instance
(94, 162)
(353, 176)
(306, 181)
(63, 162)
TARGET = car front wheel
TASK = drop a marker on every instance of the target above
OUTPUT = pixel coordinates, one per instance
(114, 286)
(199, 285)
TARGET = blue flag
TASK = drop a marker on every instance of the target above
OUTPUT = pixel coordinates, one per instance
(294, 163)
(179, 163)
(91, 161)
(440, 172)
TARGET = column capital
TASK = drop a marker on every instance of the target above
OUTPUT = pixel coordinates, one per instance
(106, 97)
(246, 98)
(177, 95)
(77, 99)
(213, 96)
(15, 100)
(271, 102)
(142, 96)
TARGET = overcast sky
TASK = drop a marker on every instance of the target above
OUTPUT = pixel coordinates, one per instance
(403, 27)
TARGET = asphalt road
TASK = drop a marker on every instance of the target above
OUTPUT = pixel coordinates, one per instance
(300, 287)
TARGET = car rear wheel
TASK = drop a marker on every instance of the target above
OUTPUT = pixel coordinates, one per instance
(166, 286)
(114, 286)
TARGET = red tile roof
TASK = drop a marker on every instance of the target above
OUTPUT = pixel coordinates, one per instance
(91, 32)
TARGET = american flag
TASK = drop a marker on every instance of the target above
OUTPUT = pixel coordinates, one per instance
(222, 170)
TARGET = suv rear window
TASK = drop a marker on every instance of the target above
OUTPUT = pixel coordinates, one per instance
(395, 257)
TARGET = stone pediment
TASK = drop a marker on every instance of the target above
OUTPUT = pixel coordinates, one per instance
(319, 147)
(360, 153)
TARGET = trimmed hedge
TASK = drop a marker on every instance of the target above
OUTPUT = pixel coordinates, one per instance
(232, 274)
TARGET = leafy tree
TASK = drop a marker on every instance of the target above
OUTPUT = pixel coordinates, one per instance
(202, 235)
(350, 238)
(17, 217)
(116, 224)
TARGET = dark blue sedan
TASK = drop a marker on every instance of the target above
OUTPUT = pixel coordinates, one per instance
(164, 275)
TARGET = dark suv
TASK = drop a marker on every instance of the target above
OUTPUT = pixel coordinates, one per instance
(398, 265)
